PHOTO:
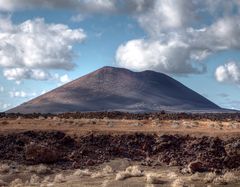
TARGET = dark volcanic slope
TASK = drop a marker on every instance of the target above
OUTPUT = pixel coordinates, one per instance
(109, 89)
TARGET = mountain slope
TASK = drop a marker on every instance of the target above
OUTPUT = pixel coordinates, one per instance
(117, 89)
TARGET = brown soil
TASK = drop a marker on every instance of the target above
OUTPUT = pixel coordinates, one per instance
(79, 127)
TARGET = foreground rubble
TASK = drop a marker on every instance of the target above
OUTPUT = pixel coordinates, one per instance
(55, 148)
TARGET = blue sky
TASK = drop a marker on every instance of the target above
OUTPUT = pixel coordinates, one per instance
(44, 44)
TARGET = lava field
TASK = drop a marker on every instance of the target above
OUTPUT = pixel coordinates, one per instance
(60, 150)
(132, 116)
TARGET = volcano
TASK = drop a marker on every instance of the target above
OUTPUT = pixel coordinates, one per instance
(118, 89)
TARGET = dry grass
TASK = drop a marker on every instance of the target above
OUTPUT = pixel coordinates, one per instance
(34, 180)
(59, 178)
(228, 177)
(107, 170)
(40, 169)
(209, 177)
(81, 173)
(4, 168)
(154, 178)
(17, 183)
(172, 175)
(179, 183)
(131, 171)
(195, 177)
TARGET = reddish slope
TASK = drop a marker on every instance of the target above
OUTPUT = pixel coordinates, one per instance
(119, 89)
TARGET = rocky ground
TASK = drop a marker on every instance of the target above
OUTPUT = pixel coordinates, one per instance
(68, 151)
(132, 116)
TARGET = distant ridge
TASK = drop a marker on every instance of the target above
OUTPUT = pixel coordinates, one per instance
(118, 89)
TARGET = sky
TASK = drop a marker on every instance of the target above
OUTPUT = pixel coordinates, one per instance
(47, 43)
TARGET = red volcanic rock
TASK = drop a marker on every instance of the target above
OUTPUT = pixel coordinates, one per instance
(53, 147)
(196, 166)
(40, 153)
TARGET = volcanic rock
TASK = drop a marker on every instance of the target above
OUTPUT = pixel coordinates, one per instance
(40, 153)
(196, 166)
(117, 89)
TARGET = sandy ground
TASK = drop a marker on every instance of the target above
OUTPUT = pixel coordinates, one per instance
(117, 173)
(105, 126)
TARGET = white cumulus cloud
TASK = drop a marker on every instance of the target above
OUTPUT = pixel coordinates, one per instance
(19, 74)
(36, 44)
(22, 73)
(28, 50)
(171, 57)
(229, 72)
(167, 14)
(64, 79)
(181, 34)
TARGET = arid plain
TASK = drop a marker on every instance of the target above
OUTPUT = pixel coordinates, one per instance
(119, 150)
